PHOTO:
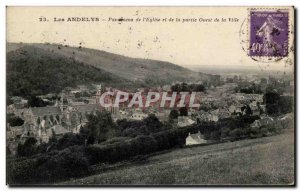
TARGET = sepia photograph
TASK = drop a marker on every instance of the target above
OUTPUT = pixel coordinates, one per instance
(150, 96)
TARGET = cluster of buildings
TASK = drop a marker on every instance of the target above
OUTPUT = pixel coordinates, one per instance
(69, 112)
(222, 102)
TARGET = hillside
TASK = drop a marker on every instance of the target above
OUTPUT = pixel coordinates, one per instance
(35, 71)
(125, 67)
(263, 161)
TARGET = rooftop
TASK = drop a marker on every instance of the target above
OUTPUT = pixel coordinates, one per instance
(42, 111)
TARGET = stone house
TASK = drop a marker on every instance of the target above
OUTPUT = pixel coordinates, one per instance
(195, 139)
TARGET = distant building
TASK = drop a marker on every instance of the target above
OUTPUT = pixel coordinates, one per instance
(195, 139)
(205, 116)
(262, 122)
(138, 116)
(185, 121)
(163, 115)
(236, 108)
(13, 132)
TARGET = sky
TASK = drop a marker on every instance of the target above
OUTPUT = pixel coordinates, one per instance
(186, 43)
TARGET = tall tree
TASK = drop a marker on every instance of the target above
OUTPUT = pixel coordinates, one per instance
(183, 111)
(173, 115)
(101, 126)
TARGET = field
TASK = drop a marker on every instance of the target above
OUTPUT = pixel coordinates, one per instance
(268, 160)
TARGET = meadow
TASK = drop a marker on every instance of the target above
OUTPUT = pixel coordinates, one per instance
(262, 161)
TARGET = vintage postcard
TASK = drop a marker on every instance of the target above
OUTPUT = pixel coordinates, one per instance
(159, 96)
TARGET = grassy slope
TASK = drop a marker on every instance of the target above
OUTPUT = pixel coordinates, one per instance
(125, 67)
(268, 160)
(31, 70)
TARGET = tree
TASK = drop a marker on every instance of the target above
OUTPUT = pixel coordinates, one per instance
(224, 132)
(101, 126)
(152, 124)
(183, 111)
(28, 148)
(77, 95)
(129, 132)
(176, 88)
(14, 120)
(173, 115)
(248, 110)
(236, 134)
(200, 88)
(53, 138)
(185, 87)
(271, 100)
(285, 104)
(9, 101)
(36, 102)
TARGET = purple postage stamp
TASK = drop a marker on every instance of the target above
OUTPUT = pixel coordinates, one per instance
(269, 33)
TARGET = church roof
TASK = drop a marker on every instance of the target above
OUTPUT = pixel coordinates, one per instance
(195, 136)
(58, 129)
(42, 111)
(87, 108)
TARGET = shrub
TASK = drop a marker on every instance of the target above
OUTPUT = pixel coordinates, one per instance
(48, 168)
(21, 171)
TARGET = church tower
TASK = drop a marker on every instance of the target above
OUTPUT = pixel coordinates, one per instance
(61, 104)
(98, 94)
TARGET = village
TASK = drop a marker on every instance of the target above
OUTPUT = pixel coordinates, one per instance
(70, 109)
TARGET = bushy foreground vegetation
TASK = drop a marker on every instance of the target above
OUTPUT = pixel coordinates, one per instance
(265, 161)
(73, 154)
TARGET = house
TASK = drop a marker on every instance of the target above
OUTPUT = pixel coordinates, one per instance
(195, 139)
(262, 122)
(232, 109)
(91, 100)
(83, 88)
(12, 147)
(166, 87)
(214, 115)
(224, 113)
(14, 132)
(22, 113)
(239, 96)
(138, 116)
(123, 112)
(185, 121)
(20, 105)
(207, 98)
(287, 117)
(235, 108)
(263, 108)
(287, 120)
(191, 111)
(214, 118)
(163, 115)
(204, 116)
(253, 104)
